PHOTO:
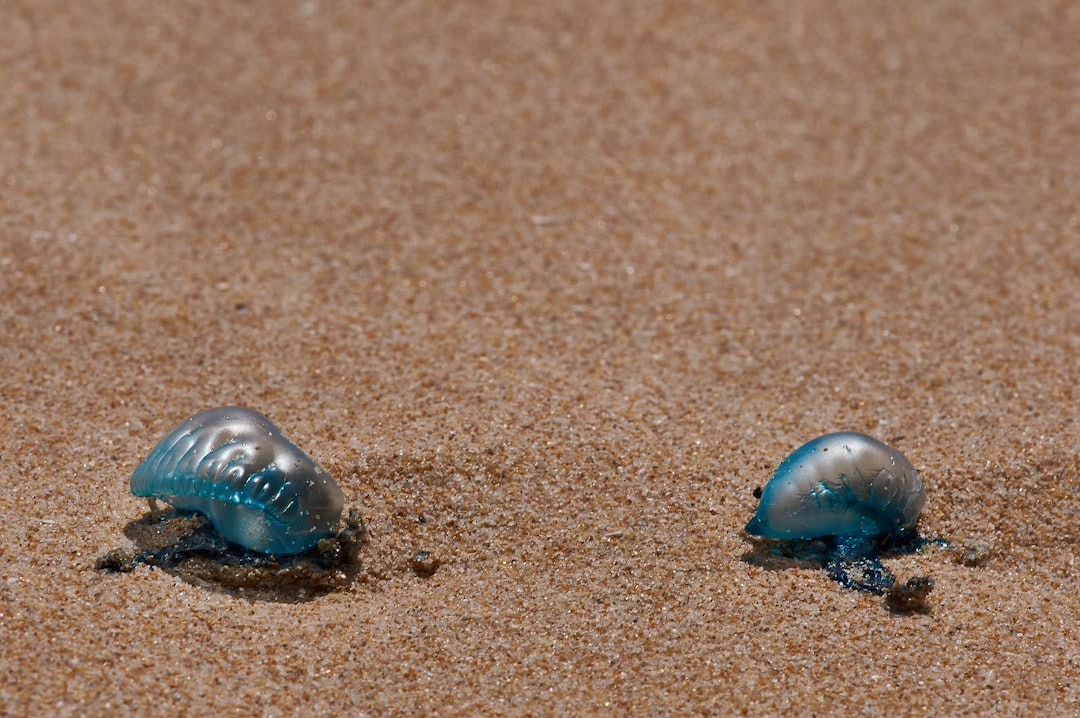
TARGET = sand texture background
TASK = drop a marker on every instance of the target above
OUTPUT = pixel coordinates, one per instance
(549, 288)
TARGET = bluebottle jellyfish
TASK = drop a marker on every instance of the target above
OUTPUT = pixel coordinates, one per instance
(258, 489)
(846, 499)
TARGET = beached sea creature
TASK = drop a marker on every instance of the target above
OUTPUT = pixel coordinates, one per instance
(852, 496)
(843, 484)
(257, 488)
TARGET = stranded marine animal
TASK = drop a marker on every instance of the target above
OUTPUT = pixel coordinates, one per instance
(843, 484)
(853, 494)
(257, 488)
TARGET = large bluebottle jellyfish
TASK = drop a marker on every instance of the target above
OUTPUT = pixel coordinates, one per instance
(845, 499)
(258, 489)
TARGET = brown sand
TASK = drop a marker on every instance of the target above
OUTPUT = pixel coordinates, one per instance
(550, 288)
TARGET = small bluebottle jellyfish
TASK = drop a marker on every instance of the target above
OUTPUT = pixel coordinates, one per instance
(843, 484)
(856, 496)
(257, 488)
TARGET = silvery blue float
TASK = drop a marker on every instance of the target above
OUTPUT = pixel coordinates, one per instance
(256, 487)
(857, 497)
(843, 484)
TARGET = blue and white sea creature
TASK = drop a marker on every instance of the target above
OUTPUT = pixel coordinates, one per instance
(851, 494)
(843, 484)
(257, 488)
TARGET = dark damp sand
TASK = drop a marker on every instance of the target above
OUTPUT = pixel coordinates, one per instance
(550, 288)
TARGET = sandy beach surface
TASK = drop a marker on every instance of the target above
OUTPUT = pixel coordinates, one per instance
(549, 288)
